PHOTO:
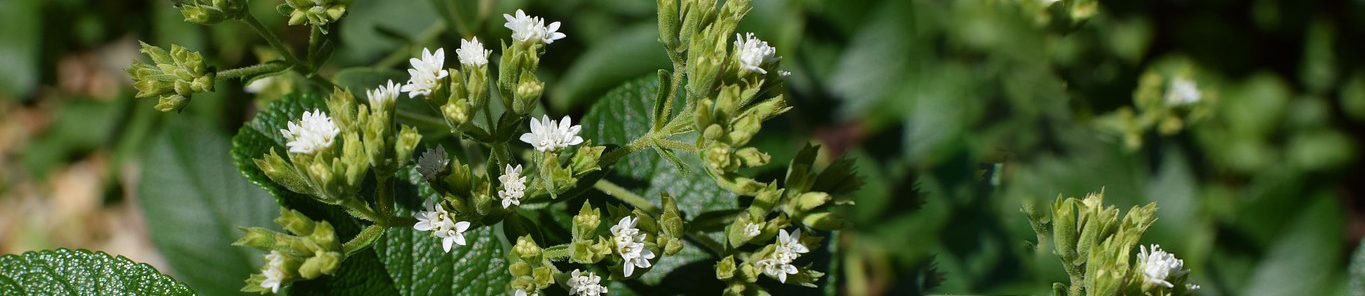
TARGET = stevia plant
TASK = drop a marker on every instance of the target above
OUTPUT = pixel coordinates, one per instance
(356, 173)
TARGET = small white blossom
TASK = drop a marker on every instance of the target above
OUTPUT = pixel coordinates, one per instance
(753, 53)
(426, 73)
(258, 85)
(437, 220)
(274, 272)
(752, 229)
(1191, 287)
(1157, 266)
(520, 292)
(630, 244)
(471, 53)
(383, 95)
(314, 132)
(513, 186)
(585, 283)
(527, 28)
(778, 264)
(549, 135)
(1182, 92)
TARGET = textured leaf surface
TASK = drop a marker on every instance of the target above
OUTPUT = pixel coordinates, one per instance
(194, 200)
(68, 272)
(418, 264)
(362, 274)
(623, 115)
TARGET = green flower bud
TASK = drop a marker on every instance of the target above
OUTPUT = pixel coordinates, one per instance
(314, 12)
(1064, 228)
(208, 12)
(583, 252)
(725, 269)
(526, 249)
(713, 132)
(744, 229)
(808, 201)
(407, 142)
(171, 103)
(172, 77)
(703, 118)
(544, 276)
(457, 112)
(586, 158)
(739, 184)
(586, 222)
(826, 221)
(744, 129)
(519, 269)
(343, 108)
(321, 263)
(751, 157)
(325, 236)
(476, 86)
(527, 93)
(259, 238)
(669, 24)
(295, 222)
(717, 157)
(671, 227)
(767, 198)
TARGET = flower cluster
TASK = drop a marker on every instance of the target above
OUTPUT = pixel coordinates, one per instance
(1182, 91)
(513, 186)
(274, 272)
(471, 52)
(630, 244)
(313, 133)
(753, 53)
(1158, 265)
(529, 28)
(426, 73)
(585, 283)
(778, 264)
(550, 135)
(442, 224)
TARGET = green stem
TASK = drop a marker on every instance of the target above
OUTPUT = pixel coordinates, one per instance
(555, 253)
(361, 210)
(252, 70)
(671, 90)
(366, 238)
(675, 145)
(275, 43)
(616, 154)
(625, 195)
(384, 197)
(420, 118)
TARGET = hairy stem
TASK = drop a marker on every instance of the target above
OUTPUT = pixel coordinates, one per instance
(556, 253)
(366, 238)
(258, 69)
(384, 196)
(616, 154)
(625, 195)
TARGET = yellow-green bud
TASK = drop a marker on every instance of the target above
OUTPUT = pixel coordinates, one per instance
(325, 236)
(519, 269)
(314, 12)
(826, 221)
(544, 277)
(1064, 228)
(527, 93)
(725, 269)
(809, 201)
(295, 222)
(526, 248)
(321, 263)
(586, 158)
(586, 222)
(407, 142)
(669, 24)
(751, 157)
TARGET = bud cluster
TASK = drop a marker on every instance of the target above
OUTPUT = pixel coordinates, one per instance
(173, 76)
(314, 12)
(310, 249)
(1095, 247)
(1169, 97)
(208, 12)
(531, 271)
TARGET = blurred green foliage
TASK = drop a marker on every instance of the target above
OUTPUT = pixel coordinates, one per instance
(956, 112)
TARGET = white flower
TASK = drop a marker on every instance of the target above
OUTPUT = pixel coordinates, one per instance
(630, 244)
(585, 283)
(778, 264)
(471, 53)
(513, 186)
(752, 229)
(526, 28)
(520, 292)
(258, 85)
(315, 131)
(1182, 92)
(274, 272)
(384, 95)
(426, 73)
(1191, 287)
(753, 53)
(437, 220)
(549, 135)
(1157, 266)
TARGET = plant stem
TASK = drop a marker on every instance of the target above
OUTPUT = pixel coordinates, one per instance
(384, 199)
(625, 195)
(251, 70)
(275, 43)
(421, 118)
(361, 210)
(554, 253)
(618, 153)
(671, 90)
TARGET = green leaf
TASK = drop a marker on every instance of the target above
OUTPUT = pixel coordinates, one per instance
(1297, 264)
(194, 200)
(82, 272)
(419, 266)
(1358, 271)
(624, 115)
(359, 275)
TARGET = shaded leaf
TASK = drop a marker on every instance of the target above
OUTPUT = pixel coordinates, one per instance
(82, 272)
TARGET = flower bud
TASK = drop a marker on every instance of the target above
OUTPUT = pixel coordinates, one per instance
(586, 158)
(527, 93)
(751, 157)
(173, 76)
(767, 198)
(171, 103)
(407, 142)
(295, 222)
(1064, 228)
(325, 236)
(586, 222)
(321, 263)
(314, 12)
(343, 108)
(526, 249)
(713, 132)
(520, 269)
(725, 269)
(809, 201)
(669, 24)
(543, 276)
(826, 221)
(718, 158)
(257, 238)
